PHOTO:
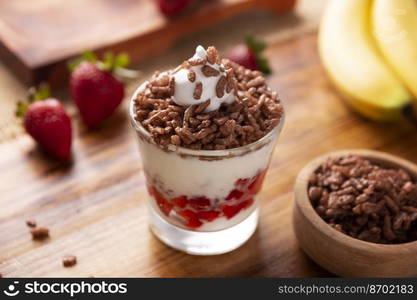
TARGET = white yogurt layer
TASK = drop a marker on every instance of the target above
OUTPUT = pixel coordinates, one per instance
(193, 177)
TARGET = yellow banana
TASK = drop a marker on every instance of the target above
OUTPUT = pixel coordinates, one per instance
(395, 30)
(351, 59)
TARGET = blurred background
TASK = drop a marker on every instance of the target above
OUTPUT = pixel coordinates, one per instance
(223, 32)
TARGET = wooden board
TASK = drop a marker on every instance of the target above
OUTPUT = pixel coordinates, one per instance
(95, 207)
(38, 37)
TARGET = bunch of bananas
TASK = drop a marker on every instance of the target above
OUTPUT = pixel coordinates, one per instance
(369, 50)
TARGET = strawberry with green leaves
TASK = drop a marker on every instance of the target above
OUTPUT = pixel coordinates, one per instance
(46, 120)
(95, 87)
(250, 55)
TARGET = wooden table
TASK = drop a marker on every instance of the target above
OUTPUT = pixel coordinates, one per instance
(29, 30)
(95, 207)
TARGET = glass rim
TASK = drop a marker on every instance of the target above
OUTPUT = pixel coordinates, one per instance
(206, 153)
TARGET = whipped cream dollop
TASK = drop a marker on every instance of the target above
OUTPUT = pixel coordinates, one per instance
(202, 78)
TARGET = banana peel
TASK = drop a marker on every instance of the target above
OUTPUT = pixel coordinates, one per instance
(394, 24)
(354, 64)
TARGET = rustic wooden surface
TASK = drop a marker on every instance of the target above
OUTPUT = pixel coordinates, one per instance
(38, 37)
(95, 206)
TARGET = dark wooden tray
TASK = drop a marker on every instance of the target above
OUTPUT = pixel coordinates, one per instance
(38, 37)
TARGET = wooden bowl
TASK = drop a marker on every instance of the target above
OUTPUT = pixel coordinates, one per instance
(340, 253)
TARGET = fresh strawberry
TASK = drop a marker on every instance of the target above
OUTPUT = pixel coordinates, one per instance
(208, 215)
(250, 56)
(235, 194)
(199, 202)
(46, 120)
(94, 88)
(191, 218)
(231, 210)
(256, 185)
(171, 8)
(180, 201)
(244, 56)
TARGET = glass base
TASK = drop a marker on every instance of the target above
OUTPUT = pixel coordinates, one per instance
(203, 243)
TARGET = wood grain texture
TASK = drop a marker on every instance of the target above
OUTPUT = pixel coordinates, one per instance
(95, 206)
(38, 37)
(364, 259)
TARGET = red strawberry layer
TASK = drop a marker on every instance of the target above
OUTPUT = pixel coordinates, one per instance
(195, 211)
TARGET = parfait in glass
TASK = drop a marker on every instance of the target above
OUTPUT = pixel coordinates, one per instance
(206, 133)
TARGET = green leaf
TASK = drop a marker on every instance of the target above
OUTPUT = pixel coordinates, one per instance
(37, 94)
(122, 60)
(43, 92)
(21, 109)
(34, 94)
(263, 66)
(85, 56)
(256, 45)
(73, 63)
(108, 62)
(89, 56)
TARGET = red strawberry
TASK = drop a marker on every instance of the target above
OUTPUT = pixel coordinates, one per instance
(235, 194)
(46, 120)
(250, 56)
(246, 204)
(244, 56)
(95, 90)
(171, 8)
(199, 202)
(180, 201)
(231, 210)
(208, 215)
(256, 185)
(191, 218)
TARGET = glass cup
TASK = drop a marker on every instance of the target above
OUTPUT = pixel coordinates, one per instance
(203, 202)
